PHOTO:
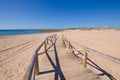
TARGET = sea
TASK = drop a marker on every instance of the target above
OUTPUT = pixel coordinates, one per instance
(19, 32)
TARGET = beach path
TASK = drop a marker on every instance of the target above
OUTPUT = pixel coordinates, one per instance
(58, 63)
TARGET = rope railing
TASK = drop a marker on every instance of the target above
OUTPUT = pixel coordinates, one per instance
(33, 68)
(88, 51)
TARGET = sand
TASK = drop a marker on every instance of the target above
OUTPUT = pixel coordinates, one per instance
(16, 51)
(105, 41)
(15, 55)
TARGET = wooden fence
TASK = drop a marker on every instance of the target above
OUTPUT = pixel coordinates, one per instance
(34, 66)
(87, 60)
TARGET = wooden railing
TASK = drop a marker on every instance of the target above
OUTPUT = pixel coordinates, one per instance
(70, 47)
(34, 66)
(89, 60)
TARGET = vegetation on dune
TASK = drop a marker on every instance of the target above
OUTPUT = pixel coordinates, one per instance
(87, 29)
(50, 30)
(82, 29)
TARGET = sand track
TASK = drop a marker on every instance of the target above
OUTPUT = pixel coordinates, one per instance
(16, 46)
(15, 55)
(16, 51)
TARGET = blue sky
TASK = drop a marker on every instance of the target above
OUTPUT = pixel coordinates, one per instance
(58, 14)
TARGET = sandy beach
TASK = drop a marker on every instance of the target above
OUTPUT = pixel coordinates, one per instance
(105, 41)
(16, 51)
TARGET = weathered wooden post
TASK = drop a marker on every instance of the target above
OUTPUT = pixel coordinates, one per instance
(45, 46)
(63, 40)
(51, 41)
(85, 59)
(52, 38)
(62, 36)
(55, 36)
(36, 66)
(69, 45)
(47, 41)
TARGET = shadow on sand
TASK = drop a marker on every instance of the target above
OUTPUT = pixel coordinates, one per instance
(57, 68)
(93, 64)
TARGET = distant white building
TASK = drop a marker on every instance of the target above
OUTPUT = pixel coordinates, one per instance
(106, 26)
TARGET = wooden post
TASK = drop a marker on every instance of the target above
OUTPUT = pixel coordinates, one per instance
(36, 66)
(55, 36)
(51, 41)
(69, 45)
(85, 59)
(52, 37)
(72, 50)
(45, 46)
(62, 37)
(63, 40)
(47, 41)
